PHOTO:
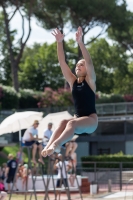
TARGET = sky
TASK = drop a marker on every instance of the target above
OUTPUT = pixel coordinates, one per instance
(40, 35)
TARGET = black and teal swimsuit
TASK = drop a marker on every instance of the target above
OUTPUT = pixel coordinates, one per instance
(84, 99)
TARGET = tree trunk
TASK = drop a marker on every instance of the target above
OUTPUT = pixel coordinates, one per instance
(15, 76)
(15, 60)
(14, 66)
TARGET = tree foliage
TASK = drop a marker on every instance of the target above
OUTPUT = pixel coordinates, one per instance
(121, 31)
(88, 14)
(40, 68)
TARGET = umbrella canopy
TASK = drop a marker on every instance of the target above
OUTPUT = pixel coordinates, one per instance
(19, 121)
(55, 118)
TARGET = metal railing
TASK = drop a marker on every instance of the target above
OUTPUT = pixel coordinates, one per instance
(105, 109)
(118, 172)
(115, 108)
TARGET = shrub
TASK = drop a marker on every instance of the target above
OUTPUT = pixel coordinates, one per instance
(10, 98)
(128, 98)
(61, 97)
(105, 161)
(109, 98)
(29, 98)
(24, 99)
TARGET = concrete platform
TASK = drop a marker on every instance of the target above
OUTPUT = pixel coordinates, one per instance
(39, 184)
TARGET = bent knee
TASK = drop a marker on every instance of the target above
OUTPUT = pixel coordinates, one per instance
(72, 123)
(64, 122)
(75, 145)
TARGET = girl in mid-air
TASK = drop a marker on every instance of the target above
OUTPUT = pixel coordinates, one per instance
(83, 89)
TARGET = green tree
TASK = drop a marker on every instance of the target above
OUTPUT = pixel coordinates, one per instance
(5, 67)
(15, 50)
(51, 14)
(121, 31)
(123, 79)
(111, 65)
(40, 68)
(90, 14)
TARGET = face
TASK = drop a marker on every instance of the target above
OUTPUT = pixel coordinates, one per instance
(36, 125)
(80, 68)
(50, 126)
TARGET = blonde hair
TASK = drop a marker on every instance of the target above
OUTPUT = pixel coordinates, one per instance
(36, 122)
(82, 60)
(10, 156)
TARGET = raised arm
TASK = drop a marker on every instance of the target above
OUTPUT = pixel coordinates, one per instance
(88, 61)
(69, 76)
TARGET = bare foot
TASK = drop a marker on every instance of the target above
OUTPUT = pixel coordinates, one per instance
(44, 152)
(53, 148)
(41, 161)
(34, 161)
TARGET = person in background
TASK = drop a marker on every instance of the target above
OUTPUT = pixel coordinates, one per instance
(3, 194)
(11, 171)
(25, 174)
(30, 138)
(3, 169)
(47, 134)
(71, 146)
(73, 163)
(61, 166)
(19, 171)
(20, 156)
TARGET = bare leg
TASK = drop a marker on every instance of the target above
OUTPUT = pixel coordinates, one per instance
(40, 157)
(34, 150)
(15, 186)
(9, 189)
(78, 124)
(74, 147)
(56, 134)
(68, 148)
(72, 179)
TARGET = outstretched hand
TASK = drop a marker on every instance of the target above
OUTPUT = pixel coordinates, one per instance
(79, 35)
(58, 35)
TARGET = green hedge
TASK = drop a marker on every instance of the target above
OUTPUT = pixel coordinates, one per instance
(29, 98)
(108, 158)
(112, 98)
(10, 99)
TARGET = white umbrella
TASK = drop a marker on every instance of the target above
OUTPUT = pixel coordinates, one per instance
(18, 121)
(55, 118)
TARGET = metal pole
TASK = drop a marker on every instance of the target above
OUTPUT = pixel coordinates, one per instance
(66, 187)
(109, 185)
(120, 175)
(29, 165)
(95, 166)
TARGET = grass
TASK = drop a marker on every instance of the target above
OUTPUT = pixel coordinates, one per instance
(13, 150)
(63, 196)
(22, 197)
